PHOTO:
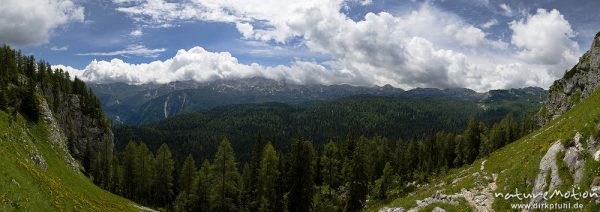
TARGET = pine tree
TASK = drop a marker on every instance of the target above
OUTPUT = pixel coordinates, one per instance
(459, 160)
(359, 185)
(281, 185)
(400, 160)
(226, 179)
(412, 155)
(130, 167)
(116, 175)
(104, 164)
(245, 197)
(385, 181)
(331, 165)
(202, 187)
(183, 202)
(143, 173)
(164, 166)
(268, 175)
(187, 175)
(472, 141)
(250, 192)
(300, 176)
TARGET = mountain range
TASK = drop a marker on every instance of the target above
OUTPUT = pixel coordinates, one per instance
(138, 104)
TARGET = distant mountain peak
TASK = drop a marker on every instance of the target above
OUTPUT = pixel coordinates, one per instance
(136, 104)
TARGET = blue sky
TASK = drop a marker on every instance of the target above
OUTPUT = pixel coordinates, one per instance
(479, 44)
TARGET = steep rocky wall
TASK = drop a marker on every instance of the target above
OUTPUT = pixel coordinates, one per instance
(57, 136)
(577, 84)
(80, 129)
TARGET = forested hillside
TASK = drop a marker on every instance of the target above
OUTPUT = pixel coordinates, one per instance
(341, 176)
(396, 118)
(37, 170)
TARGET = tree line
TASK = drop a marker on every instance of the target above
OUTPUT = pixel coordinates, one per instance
(23, 81)
(395, 118)
(339, 176)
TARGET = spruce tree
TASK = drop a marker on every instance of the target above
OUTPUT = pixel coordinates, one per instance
(359, 185)
(164, 166)
(331, 165)
(385, 181)
(300, 177)
(104, 168)
(250, 191)
(472, 141)
(183, 202)
(202, 187)
(187, 175)
(143, 173)
(225, 193)
(116, 175)
(130, 166)
(268, 175)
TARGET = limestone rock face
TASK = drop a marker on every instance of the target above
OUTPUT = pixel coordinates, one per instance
(56, 137)
(578, 83)
(79, 128)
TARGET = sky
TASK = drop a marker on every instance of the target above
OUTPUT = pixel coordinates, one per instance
(477, 44)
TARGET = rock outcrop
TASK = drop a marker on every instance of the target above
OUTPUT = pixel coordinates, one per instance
(479, 198)
(577, 84)
(81, 130)
(56, 136)
(548, 178)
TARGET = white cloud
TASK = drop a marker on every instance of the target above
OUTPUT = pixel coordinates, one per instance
(490, 23)
(506, 9)
(471, 36)
(245, 28)
(137, 50)
(365, 2)
(545, 39)
(59, 48)
(136, 33)
(34, 21)
(200, 65)
(426, 47)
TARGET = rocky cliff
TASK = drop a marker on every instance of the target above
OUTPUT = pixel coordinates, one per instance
(81, 129)
(577, 84)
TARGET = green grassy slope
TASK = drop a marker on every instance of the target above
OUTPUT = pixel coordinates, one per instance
(517, 164)
(25, 186)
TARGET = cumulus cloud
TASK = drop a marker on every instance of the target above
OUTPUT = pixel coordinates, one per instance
(545, 38)
(137, 50)
(33, 21)
(426, 47)
(201, 65)
(245, 28)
